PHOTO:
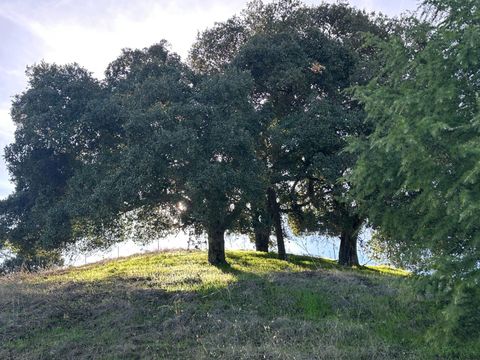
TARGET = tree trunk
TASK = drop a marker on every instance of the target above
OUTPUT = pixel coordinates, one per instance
(347, 255)
(216, 246)
(262, 224)
(277, 222)
(262, 237)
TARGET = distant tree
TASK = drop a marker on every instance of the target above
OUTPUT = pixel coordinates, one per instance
(418, 173)
(30, 261)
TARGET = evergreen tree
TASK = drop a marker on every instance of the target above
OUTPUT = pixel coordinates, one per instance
(417, 176)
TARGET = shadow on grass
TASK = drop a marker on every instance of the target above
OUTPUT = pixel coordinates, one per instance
(82, 319)
(195, 311)
(253, 259)
(227, 268)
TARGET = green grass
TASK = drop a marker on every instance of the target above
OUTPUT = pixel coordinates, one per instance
(174, 305)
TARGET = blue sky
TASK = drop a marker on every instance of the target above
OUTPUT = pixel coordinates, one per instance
(92, 33)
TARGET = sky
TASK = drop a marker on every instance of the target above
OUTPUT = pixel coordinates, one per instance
(93, 32)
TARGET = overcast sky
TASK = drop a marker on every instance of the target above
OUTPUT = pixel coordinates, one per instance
(92, 33)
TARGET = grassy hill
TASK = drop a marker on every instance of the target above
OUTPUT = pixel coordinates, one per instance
(174, 305)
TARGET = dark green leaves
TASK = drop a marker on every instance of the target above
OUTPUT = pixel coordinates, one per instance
(418, 174)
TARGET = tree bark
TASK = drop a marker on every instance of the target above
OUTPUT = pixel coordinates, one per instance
(277, 222)
(216, 246)
(262, 237)
(347, 255)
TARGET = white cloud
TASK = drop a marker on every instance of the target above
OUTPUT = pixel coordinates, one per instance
(388, 7)
(95, 46)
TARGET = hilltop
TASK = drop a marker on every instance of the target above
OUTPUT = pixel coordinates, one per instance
(175, 305)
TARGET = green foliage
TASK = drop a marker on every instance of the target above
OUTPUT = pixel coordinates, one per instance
(221, 170)
(54, 133)
(131, 187)
(151, 149)
(158, 145)
(418, 171)
(257, 126)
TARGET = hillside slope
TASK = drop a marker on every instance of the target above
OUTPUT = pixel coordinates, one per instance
(174, 305)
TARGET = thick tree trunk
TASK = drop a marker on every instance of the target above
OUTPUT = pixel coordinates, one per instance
(216, 246)
(262, 237)
(347, 255)
(277, 222)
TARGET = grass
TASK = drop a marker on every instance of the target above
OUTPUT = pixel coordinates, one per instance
(173, 305)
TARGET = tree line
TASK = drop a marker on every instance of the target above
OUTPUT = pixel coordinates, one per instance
(324, 118)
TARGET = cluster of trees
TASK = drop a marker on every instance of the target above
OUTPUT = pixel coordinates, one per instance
(319, 117)
(251, 131)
